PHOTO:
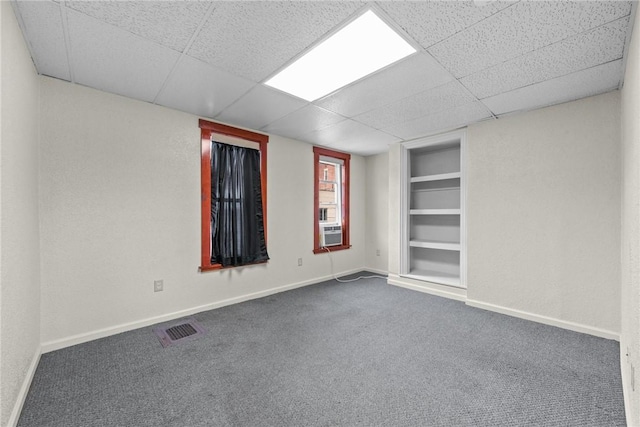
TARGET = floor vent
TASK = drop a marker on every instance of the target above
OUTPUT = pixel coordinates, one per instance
(179, 332)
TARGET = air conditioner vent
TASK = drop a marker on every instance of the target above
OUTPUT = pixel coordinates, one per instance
(330, 235)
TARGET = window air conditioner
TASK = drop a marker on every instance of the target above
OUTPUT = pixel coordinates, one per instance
(330, 235)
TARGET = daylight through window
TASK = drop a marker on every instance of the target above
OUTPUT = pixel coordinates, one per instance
(331, 199)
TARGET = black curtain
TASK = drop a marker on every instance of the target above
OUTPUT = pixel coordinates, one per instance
(237, 228)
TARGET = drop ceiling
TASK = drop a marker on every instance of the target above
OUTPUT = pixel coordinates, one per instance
(211, 58)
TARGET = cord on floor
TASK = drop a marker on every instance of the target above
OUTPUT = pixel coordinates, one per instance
(348, 280)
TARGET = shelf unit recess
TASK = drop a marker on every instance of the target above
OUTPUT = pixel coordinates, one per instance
(437, 177)
(435, 277)
(434, 211)
(434, 244)
(433, 236)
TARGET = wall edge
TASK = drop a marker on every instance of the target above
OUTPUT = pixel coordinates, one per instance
(24, 389)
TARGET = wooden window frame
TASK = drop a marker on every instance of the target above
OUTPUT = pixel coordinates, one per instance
(317, 153)
(207, 129)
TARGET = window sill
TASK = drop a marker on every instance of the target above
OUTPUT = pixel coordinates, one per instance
(324, 250)
(215, 267)
(210, 268)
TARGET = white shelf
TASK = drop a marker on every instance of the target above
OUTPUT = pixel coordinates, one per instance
(445, 246)
(438, 177)
(434, 212)
(434, 277)
(418, 190)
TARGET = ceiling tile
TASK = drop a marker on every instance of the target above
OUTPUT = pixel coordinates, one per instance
(422, 104)
(254, 39)
(429, 22)
(501, 4)
(594, 13)
(260, 107)
(303, 121)
(521, 28)
(352, 137)
(415, 74)
(44, 32)
(116, 61)
(441, 121)
(170, 23)
(200, 89)
(593, 81)
(366, 146)
(598, 46)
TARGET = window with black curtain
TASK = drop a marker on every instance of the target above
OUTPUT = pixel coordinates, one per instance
(233, 185)
(237, 228)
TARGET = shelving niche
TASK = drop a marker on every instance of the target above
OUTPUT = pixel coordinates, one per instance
(433, 246)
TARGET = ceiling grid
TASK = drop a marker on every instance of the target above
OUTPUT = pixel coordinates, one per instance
(211, 58)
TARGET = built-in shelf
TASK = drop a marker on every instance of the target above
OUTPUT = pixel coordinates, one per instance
(445, 246)
(435, 189)
(434, 212)
(435, 277)
(436, 177)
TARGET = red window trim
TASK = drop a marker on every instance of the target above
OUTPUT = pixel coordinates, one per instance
(208, 128)
(317, 152)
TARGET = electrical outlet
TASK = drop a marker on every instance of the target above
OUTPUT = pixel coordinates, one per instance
(299, 262)
(377, 252)
(158, 285)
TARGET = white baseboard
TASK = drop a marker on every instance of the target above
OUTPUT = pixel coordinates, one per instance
(101, 333)
(442, 291)
(24, 389)
(376, 271)
(576, 327)
(626, 383)
(428, 288)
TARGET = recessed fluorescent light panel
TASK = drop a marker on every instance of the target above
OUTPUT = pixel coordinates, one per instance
(365, 45)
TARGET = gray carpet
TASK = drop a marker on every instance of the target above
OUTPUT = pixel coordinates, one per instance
(335, 354)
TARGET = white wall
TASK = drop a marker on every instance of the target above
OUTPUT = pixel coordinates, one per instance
(19, 232)
(543, 216)
(377, 213)
(395, 176)
(630, 292)
(121, 208)
(543, 212)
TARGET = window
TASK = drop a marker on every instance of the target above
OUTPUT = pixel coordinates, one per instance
(322, 215)
(331, 195)
(250, 247)
(329, 190)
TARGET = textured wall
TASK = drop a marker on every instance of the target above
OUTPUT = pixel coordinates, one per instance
(19, 233)
(630, 301)
(543, 217)
(395, 159)
(121, 208)
(377, 212)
